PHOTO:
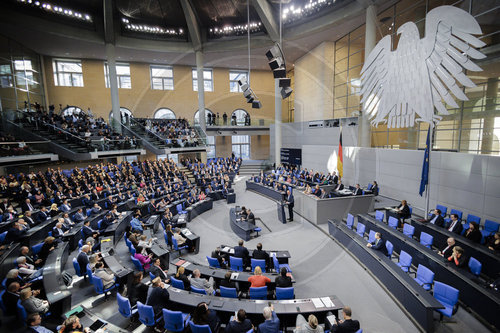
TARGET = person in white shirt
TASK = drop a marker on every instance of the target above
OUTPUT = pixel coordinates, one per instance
(27, 270)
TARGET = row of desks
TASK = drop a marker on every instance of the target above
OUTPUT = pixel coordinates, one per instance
(265, 190)
(417, 302)
(485, 302)
(243, 229)
(281, 255)
(57, 293)
(489, 259)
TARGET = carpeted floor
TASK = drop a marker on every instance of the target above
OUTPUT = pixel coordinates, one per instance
(320, 267)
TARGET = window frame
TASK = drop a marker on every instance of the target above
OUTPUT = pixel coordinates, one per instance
(56, 72)
(237, 71)
(119, 77)
(211, 80)
(162, 78)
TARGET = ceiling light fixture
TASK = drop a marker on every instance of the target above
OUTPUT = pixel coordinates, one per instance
(54, 9)
(294, 13)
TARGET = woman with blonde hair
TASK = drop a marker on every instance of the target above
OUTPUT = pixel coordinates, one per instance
(258, 280)
(31, 303)
(181, 276)
(309, 326)
(54, 211)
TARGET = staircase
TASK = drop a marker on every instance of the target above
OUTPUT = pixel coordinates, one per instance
(188, 173)
(155, 143)
(251, 167)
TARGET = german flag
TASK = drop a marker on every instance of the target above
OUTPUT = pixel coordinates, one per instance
(340, 158)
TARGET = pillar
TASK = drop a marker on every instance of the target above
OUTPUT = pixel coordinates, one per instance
(201, 90)
(113, 84)
(364, 134)
(277, 122)
(489, 118)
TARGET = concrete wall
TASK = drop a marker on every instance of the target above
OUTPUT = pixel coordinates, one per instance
(467, 182)
(143, 101)
(259, 147)
(223, 146)
(313, 78)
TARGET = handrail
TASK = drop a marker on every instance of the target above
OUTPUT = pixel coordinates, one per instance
(26, 142)
(145, 129)
(66, 132)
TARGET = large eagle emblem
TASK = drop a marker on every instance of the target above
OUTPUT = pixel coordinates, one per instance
(403, 86)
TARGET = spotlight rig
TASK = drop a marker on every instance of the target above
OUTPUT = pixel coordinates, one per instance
(250, 95)
(278, 66)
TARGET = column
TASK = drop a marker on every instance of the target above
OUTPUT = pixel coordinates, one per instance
(277, 122)
(489, 118)
(201, 90)
(364, 134)
(113, 84)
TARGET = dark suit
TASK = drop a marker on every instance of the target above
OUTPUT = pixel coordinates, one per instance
(227, 283)
(251, 218)
(290, 202)
(347, 326)
(457, 228)
(339, 187)
(10, 302)
(439, 220)
(242, 252)
(87, 232)
(447, 251)
(42, 216)
(30, 221)
(158, 299)
(138, 292)
(405, 212)
(236, 327)
(25, 207)
(283, 281)
(105, 223)
(14, 235)
(474, 236)
(158, 272)
(261, 254)
(358, 191)
(83, 260)
(57, 233)
(379, 245)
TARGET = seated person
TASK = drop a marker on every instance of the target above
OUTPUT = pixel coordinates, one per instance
(158, 271)
(58, 232)
(202, 315)
(107, 221)
(240, 323)
(34, 321)
(403, 211)
(283, 281)
(378, 244)
(458, 257)
(358, 190)
(493, 242)
(144, 259)
(10, 298)
(31, 303)
(261, 254)
(347, 325)
(136, 224)
(309, 326)
(242, 252)
(181, 276)
(258, 280)
(339, 186)
(374, 188)
(108, 280)
(473, 234)
(158, 296)
(27, 271)
(447, 251)
(243, 213)
(271, 323)
(96, 209)
(226, 282)
(198, 282)
(137, 291)
(79, 216)
(250, 217)
(145, 243)
(455, 224)
(436, 218)
(216, 254)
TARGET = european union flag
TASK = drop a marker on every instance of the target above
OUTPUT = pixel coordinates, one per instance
(425, 167)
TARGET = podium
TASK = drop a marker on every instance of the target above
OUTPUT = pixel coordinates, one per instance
(281, 212)
(231, 198)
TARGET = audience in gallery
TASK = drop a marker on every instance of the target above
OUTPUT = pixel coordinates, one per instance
(11, 146)
(177, 131)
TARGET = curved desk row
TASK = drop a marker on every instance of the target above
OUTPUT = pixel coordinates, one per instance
(8, 258)
(198, 208)
(265, 190)
(489, 259)
(484, 302)
(112, 261)
(219, 274)
(286, 310)
(281, 255)
(58, 294)
(242, 229)
(416, 301)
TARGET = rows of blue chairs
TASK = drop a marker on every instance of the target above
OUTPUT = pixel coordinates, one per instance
(489, 228)
(447, 295)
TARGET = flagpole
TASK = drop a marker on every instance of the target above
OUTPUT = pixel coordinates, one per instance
(428, 189)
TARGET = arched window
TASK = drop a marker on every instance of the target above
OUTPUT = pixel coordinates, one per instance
(123, 111)
(242, 117)
(164, 113)
(69, 110)
(197, 119)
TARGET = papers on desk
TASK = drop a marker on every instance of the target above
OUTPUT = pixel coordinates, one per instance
(106, 240)
(225, 249)
(322, 302)
(186, 264)
(234, 276)
(186, 232)
(272, 254)
(327, 301)
(317, 303)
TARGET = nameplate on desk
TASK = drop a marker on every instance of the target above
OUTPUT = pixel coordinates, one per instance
(186, 232)
(106, 240)
(217, 303)
(234, 276)
(317, 303)
(186, 264)
(225, 249)
(180, 262)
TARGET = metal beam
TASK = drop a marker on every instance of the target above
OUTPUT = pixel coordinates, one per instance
(109, 35)
(192, 23)
(265, 13)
